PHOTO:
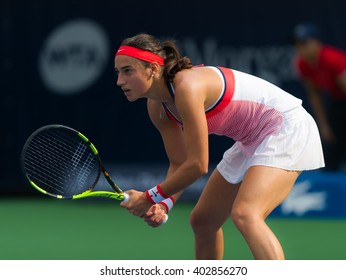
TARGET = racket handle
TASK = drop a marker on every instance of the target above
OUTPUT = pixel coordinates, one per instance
(165, 220)
(126, 197)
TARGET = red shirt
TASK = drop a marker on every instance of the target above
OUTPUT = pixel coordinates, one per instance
(331, 63)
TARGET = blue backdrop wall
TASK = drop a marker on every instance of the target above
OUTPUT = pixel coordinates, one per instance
(57, 64)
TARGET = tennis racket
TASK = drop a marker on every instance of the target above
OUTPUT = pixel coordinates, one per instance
(61, 162)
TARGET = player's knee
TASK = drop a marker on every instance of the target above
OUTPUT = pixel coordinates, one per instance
(195, 220)
(198, 222)
(244, 218)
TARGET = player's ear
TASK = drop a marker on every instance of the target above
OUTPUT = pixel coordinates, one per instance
(155, 69)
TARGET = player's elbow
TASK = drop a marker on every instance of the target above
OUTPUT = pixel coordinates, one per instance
(204, 169)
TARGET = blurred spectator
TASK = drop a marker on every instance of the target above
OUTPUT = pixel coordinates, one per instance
(322, 69)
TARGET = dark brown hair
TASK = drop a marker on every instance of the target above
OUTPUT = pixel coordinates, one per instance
(174, 61)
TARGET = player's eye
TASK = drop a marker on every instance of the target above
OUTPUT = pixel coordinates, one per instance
(127, 71)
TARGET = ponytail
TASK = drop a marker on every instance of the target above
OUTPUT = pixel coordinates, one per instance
(174, 62)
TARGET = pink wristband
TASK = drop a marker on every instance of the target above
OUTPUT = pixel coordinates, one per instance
(155, 194)
(168, 203)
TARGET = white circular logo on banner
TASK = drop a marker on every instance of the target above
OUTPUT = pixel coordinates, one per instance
(73, 57)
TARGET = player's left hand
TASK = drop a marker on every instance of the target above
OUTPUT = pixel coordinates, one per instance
(137, 204)
(155, 216)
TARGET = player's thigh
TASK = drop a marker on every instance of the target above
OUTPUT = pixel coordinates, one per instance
(215, 203)
(264, 188)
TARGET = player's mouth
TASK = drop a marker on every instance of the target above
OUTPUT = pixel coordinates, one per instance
(126, 91)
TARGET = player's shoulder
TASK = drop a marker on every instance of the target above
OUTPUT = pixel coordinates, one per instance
(331, 52)
(193, 79)
(184, 78)
(333, 58)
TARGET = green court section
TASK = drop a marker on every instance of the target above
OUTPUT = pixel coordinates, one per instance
(45, 228)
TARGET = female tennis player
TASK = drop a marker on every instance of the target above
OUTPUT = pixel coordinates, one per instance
(276, 139)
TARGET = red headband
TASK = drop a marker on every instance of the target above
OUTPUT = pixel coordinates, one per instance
(140, 54)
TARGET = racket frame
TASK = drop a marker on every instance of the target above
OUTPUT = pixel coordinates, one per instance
(118, 194)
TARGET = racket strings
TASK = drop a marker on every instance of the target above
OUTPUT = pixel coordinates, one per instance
(61, 163)
(41, 159)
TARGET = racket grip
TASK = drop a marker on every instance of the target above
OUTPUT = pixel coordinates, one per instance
(126, 197)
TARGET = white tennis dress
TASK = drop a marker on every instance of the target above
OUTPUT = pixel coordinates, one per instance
(269, 125)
